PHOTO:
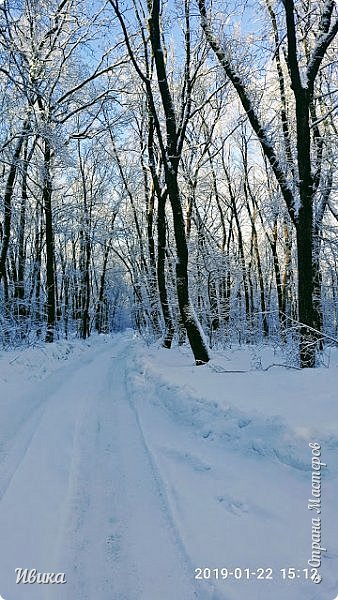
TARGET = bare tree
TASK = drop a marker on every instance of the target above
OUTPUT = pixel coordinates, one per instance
(300, 195)
(171, 143)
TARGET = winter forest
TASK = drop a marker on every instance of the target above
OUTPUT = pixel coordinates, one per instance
(168, 300)
(170, 167)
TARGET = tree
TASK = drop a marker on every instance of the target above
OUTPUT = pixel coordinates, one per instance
(299, 192)
(171, 144)
(41, 45)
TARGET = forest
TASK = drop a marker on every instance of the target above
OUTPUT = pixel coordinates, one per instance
(168, 299)
(170, 167)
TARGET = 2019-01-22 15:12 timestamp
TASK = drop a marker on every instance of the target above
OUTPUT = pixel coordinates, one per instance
(263, 574)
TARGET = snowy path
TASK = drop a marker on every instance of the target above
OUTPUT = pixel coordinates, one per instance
(128, 468)
(80, 496)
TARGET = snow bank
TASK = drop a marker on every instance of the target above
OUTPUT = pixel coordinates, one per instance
(232, 450)
(270, 413)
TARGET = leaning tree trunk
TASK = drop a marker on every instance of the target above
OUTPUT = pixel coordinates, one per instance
(190, 322)
(161, 236)
(171, 151)
(171, 158)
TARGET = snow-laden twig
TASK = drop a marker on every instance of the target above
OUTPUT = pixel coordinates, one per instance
(281, 365)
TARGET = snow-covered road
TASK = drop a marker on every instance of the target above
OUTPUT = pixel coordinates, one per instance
(80, 495)
(114, 472)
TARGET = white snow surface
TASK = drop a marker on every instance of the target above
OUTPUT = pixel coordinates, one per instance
(127, 468)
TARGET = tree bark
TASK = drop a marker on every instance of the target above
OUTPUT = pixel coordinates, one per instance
(50, 253)
(8, 200)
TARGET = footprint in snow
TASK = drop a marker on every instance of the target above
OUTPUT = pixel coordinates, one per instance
(234, 506)
(187, 458)
(113, 544)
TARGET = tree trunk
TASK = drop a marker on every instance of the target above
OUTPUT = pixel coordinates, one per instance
(161, 248)
(8, 201)
(190, 322)
(19, 291)
(305, 292)
(101, 321)
(50, 254)
(171, 157)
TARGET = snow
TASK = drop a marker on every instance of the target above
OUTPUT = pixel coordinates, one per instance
(127, 468)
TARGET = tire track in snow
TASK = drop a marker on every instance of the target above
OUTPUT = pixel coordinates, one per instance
(90, 538)
(13, 450)
(156, 552)
(13, 453)
(31, 507)
(209, 592)
(117, 521)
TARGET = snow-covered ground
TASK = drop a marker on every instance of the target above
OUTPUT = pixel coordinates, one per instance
(143, 477)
